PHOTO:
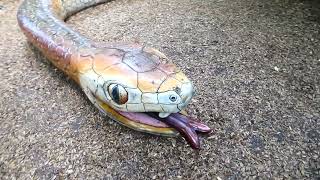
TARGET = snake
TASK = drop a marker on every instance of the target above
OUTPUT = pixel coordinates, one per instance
(135, 85)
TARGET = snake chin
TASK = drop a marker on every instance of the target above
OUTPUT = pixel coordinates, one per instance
(150, 122)
(163, 123)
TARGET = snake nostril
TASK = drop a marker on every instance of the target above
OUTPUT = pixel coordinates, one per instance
(173, 98)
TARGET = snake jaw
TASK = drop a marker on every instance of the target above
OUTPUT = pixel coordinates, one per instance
(172, 125)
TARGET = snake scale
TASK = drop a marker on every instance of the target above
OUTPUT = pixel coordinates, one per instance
(135, 85)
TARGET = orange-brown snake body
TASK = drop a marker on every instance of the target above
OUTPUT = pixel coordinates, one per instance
(135, 85)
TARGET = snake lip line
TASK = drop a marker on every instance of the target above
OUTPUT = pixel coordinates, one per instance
(188, 127)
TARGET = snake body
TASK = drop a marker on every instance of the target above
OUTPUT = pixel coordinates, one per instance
(128, 82)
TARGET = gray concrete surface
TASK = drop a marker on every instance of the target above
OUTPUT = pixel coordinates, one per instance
(256, 66)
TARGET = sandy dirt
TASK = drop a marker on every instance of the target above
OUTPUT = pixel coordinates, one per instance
(256, 67)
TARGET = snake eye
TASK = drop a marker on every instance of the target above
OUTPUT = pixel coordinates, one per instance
(118, 94)
(173, 98)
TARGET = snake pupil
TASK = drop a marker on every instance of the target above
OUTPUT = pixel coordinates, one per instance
(115, 94)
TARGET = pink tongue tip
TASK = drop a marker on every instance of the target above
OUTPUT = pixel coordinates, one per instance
(200, 127)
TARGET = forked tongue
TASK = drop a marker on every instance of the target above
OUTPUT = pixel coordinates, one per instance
(187, 127)
(185, 130)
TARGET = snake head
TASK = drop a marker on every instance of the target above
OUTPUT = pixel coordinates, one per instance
(129, 82)
(137, 79)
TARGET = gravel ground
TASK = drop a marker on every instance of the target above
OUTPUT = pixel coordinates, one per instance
(256, 67)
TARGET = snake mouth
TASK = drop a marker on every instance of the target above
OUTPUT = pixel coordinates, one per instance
(150, 122)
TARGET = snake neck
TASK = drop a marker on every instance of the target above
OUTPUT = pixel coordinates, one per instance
(42, 21)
